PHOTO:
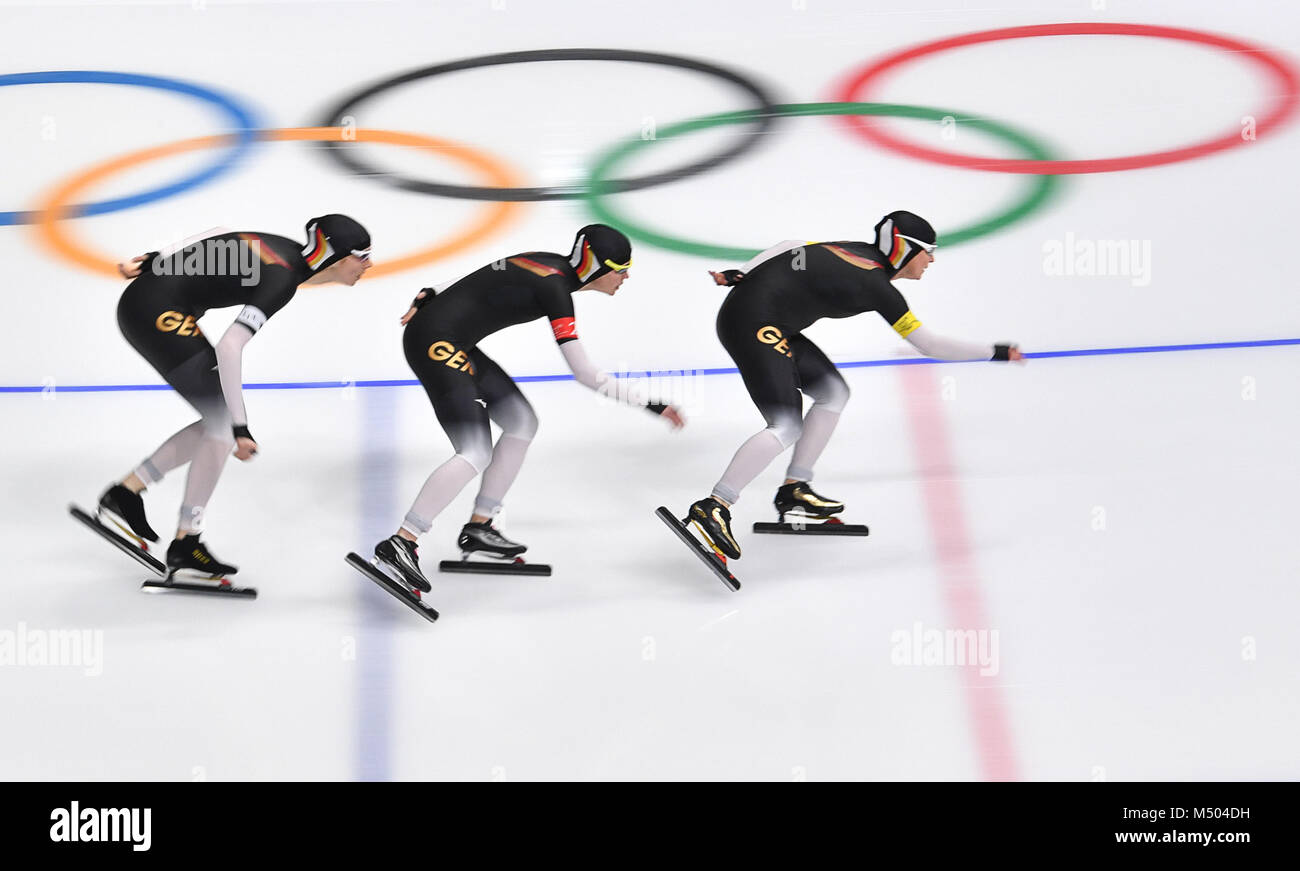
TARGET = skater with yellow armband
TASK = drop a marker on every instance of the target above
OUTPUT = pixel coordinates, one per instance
(773, 299)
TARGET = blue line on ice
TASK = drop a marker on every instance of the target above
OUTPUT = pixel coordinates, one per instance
(660, 373)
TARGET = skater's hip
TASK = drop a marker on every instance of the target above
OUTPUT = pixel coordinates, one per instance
(432, 350)
(160, 327)
(747, 336)
(151, 304)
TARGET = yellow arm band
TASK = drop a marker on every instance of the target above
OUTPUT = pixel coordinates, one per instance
(905, 325)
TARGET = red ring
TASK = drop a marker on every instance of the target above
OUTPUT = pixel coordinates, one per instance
(1284, 77)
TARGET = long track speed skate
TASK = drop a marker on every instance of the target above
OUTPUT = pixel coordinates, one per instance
(503, 554)
(393, 583)
(809, 514)
(133, 546)
(709, 555)
(191, 568)
(168, 579)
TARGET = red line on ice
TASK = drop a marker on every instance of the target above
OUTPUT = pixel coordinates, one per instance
(959, 575)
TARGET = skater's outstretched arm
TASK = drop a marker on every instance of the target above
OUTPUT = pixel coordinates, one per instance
(894, 309)
(587, 374)
(944, 348)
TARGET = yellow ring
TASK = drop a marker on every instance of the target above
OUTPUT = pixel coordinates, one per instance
(54, 206)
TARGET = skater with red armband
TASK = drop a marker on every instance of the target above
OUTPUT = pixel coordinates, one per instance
(469, 390)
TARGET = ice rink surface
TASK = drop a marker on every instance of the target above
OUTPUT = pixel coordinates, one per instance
(1116, 531)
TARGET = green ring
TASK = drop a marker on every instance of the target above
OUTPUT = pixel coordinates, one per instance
(1041, 189)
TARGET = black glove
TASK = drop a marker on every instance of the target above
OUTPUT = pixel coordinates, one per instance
(732, 277)
(419, 301)
(1002, 352)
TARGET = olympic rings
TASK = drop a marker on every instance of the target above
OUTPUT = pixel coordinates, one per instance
(762, 118)
(1040, 191)
(495, 215)
(240, 117)
(1283, 77)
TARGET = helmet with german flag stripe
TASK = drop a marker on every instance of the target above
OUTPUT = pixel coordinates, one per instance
(900, 236)
(599, 249)
(330, 238)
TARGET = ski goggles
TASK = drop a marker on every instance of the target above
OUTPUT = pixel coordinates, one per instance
(618, 267)
(927, 247)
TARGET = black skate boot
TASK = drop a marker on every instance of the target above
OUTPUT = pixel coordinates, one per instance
(400, 555)
(190, 554)
(713, 520)
(486, 539)
(126, 511)
(800, 500)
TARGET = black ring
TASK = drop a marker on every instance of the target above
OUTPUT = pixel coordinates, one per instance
(341, 152)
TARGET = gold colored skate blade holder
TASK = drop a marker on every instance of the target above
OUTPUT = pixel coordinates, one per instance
(709, 541)
(143, 557)
(126, 530)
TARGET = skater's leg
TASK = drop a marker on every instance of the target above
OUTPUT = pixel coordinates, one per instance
(454, 396)
(197, 381)
(466, 424)
(819, 379)
(171, 454)
(770, 377)
(755, 455)
(185, 358)
(508, 409)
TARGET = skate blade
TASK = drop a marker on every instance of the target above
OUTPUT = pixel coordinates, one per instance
(378, 573)
(146, 559)
(714, 561)
(832, 526)
(209, 585)
(515, 566)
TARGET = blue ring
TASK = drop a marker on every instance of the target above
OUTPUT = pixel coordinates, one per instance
(244, 125)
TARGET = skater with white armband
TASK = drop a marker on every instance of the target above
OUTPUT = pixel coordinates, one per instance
(158, 314)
